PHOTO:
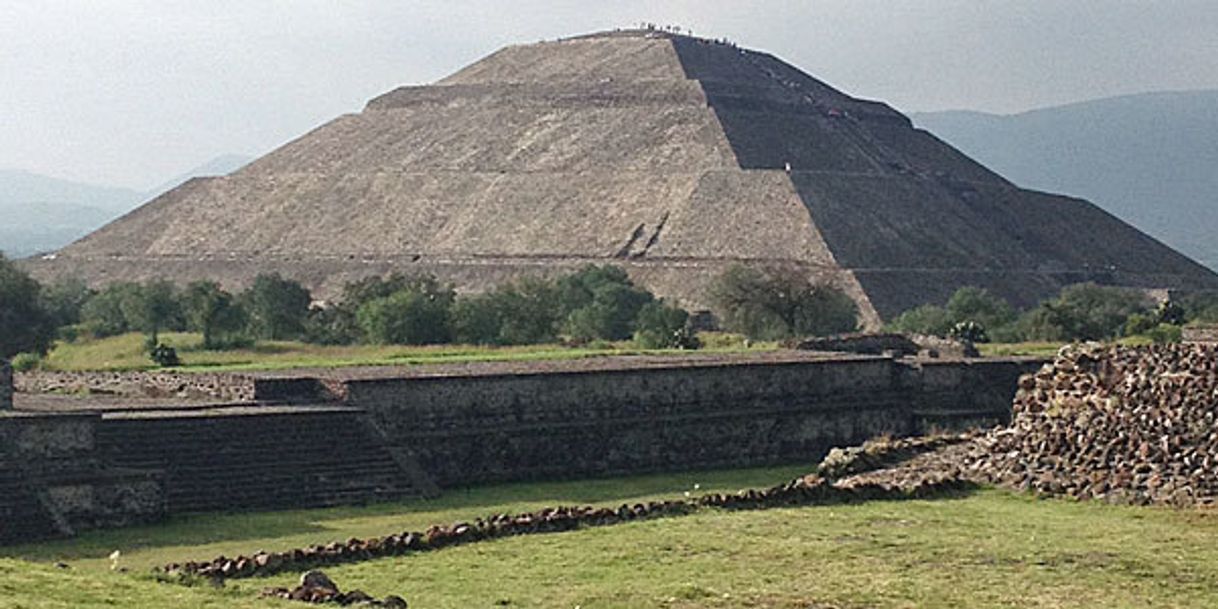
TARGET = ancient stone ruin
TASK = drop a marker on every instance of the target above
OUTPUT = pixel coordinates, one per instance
(1117, 424)
(6, 385)
(672, 156)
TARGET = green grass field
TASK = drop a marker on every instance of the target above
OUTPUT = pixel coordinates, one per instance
(126, 352)
(987, 549)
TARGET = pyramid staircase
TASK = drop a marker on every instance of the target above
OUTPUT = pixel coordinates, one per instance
(261, 457)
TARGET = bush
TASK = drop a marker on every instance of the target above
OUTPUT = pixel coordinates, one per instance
(476, 320)
(969, 331)
(780, 304)
(25, 362)
(968, 304)
(1139, 323)
(980, 306)
(660, 326)
(165, 356)
(1166, 333)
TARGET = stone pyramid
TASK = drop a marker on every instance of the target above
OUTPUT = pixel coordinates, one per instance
(672, 156)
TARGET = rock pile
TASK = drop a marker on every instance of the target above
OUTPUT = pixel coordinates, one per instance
(316, 587)
(1130, 425)
(809, 490)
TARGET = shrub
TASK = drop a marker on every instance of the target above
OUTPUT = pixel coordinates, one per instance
(661, 326)
(780, 304)
(980, 306)
(1139, 323)
(969, 331)
(165, 356)
(476, 320)
(1166, 333)
(25, 362)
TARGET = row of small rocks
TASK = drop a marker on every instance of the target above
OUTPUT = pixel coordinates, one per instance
(316, 587)
(1130, 425)
(809, 490)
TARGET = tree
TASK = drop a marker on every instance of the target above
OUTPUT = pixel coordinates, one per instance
(407, 317)
(980, 306)
(780, 304)
(277, 307)
(151, 308)
(928, 319)
(103, 315)
(1085, 312)
(212, 311)
(600, 302)
(25, 325)
(65, 299)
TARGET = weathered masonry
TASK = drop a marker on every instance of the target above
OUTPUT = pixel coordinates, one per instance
(382, 435)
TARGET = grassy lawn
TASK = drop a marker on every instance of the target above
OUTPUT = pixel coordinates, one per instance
(126, 352)
(988, 549)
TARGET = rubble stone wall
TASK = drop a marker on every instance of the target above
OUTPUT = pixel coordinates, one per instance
(220, 386)
(479, 429)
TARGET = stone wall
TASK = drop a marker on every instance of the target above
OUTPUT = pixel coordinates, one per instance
(6, 385)
(52, 482)
(1201, 334)
(219, 386)
(497, 428)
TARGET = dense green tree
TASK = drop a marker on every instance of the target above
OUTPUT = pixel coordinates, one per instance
(277, 307)
(609, 314)
(1085, 312)
(978, 305)
(478, 320)
(780, 304)
(102, 314)
(529, 311)
(25, 324)
(65, 299)
(151, 308)
(407, 317)
(928, 319)
(213, 312)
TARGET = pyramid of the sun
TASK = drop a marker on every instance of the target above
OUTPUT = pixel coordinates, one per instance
(672, 156)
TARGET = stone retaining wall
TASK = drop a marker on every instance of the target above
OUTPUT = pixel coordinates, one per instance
(498, 428)
(6, 385)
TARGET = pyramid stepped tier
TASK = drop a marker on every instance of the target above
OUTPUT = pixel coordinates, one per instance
(672, 156)
(259, 457)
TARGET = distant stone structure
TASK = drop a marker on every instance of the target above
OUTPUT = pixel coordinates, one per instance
(672, 156)
(1201, 334)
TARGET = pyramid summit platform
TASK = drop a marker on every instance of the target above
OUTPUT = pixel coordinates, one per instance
(672, 156)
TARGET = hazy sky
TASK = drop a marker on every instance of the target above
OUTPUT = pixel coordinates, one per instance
(131, 92)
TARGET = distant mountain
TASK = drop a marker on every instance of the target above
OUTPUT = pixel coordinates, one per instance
(42, 214)
(219, 166)
(1151, 159)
